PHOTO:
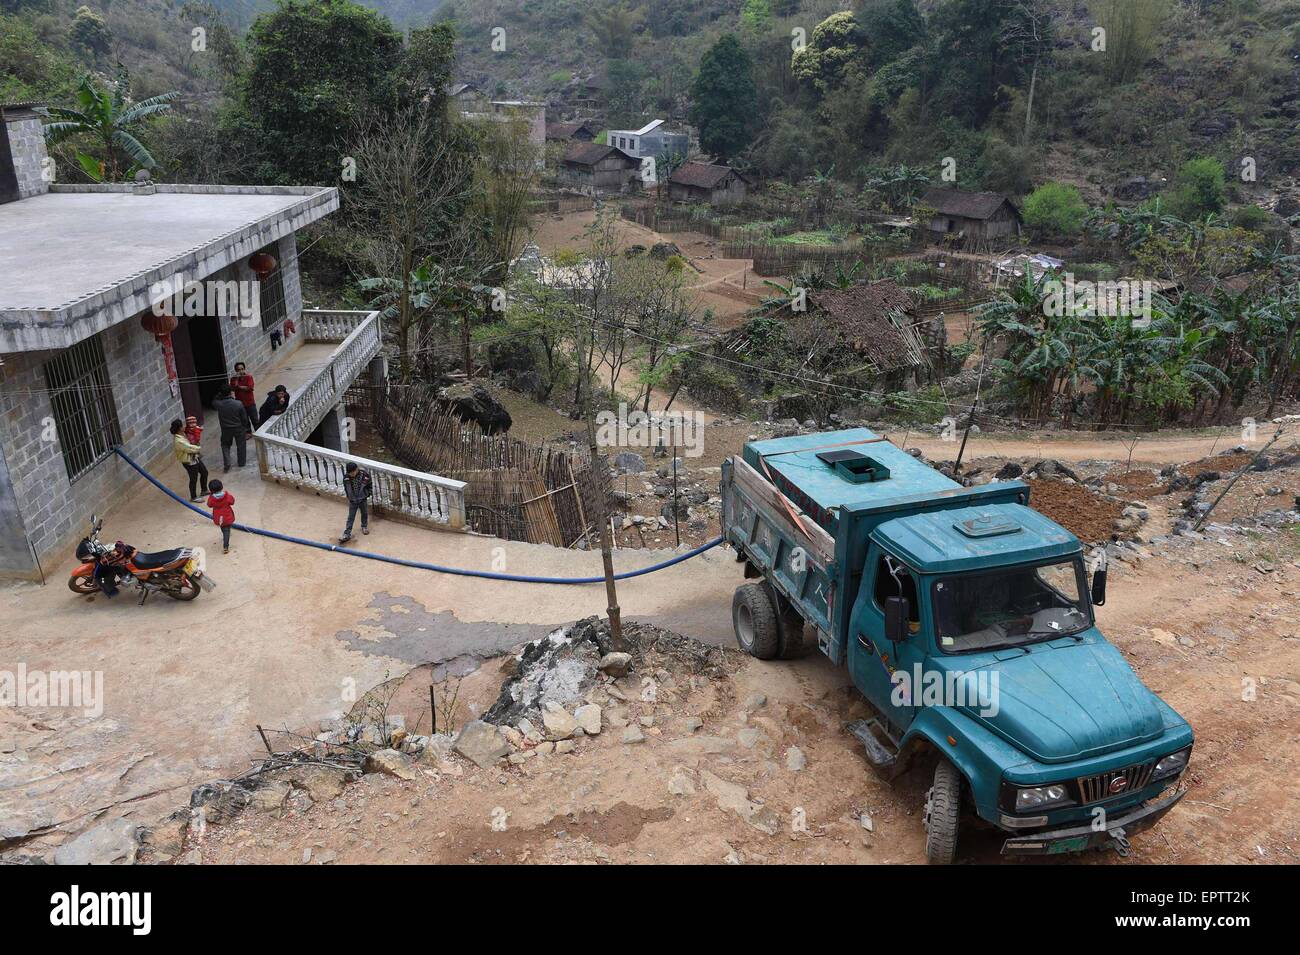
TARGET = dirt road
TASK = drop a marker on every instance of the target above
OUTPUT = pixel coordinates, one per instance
(670, 798)
(729, 287)
(1158, 448)
(290, 632)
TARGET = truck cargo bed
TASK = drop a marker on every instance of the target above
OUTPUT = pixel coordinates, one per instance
(801, 510)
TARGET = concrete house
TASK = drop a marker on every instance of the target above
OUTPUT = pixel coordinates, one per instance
(80, 373)
(532, 114)
(650, 141)
(971, 217)
(597, 170)
(707, 182)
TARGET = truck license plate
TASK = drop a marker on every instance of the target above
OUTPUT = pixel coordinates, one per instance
(1076, 844)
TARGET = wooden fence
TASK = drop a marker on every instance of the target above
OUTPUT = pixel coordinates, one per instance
(513, 489)
(560, 205)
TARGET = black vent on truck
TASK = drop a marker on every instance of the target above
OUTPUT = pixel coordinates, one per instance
(854, 466)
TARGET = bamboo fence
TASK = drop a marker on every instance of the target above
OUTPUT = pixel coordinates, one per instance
(515, 490)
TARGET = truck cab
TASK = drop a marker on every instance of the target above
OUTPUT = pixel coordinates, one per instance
(965, 618)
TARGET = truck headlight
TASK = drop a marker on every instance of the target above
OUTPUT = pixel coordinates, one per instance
(1037, 797)
(1171, 765)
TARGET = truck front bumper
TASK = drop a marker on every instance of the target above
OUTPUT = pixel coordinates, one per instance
(1078, 838)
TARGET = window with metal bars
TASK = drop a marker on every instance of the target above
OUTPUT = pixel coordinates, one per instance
(271, 292)
(81, 396)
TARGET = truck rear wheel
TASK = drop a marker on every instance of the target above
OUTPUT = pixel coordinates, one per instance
(753, 616)
(942, 812)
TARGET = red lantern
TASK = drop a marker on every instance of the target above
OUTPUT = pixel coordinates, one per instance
(159, 326)
(263, 263)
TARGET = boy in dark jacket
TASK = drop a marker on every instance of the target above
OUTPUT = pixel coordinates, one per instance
(277, 399)
(357, 487)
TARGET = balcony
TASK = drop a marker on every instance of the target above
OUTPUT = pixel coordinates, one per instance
(284, 456)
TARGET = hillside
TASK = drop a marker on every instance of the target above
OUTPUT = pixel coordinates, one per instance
(886, 88)
(1224, 82)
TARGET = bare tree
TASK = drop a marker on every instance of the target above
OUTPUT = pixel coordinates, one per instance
(412, 182)
(507, 172)
(658, 310)
(1029, 30)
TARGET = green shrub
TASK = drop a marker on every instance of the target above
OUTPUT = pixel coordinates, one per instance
(1252, 218)
(1055, 209)
(922, 406)
(1198, 189)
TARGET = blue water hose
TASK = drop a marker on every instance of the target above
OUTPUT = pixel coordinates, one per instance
(419, 564)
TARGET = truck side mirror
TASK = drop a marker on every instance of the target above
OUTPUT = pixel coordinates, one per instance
(896, 613)
(1099, 587)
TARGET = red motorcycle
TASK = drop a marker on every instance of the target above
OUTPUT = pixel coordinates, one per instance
(177, 573)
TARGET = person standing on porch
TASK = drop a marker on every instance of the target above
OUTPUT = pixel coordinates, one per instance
(357, 488)
(190, 455)
(235, 426)
(244, 389)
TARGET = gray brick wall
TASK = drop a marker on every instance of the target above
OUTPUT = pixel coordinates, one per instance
(54, 510)
(252, 345)
(27, 143)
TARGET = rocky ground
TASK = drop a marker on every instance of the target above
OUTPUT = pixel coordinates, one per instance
(1097, 499)
(570, 750)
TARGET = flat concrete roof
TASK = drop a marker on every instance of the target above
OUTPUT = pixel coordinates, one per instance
(79, 259)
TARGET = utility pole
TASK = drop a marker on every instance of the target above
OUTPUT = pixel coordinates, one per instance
(466, 360)
(1244, 468)
(598, 469)
(979, 383)
(1284, 359)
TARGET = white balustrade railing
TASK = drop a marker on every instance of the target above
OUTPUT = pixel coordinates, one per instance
(411, 495)
(359, 336)
(284, 455)
(327, 325)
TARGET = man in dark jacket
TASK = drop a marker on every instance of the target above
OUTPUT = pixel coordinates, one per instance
(235, 426)
(357, 487)
(276, 401)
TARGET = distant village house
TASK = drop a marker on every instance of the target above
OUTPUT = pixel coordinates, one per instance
(569, 132)
(596, 170)
(707, 182)
(650, 141)
(971, 217)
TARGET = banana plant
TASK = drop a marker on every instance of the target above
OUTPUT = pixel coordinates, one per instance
(109, 116)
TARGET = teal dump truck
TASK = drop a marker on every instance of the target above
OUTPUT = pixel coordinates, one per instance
(966, 620)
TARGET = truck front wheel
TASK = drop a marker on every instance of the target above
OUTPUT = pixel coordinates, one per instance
(942, 812)
(753, 616)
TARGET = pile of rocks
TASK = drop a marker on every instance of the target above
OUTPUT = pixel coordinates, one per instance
(573, 684)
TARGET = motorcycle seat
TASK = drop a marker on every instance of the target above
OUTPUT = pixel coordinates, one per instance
(162, 558)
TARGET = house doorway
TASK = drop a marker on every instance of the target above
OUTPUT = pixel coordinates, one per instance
(200, 362)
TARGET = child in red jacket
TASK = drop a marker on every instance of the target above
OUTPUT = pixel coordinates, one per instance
(222, 503)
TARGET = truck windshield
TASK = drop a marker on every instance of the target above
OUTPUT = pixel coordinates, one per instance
(1011, 606)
